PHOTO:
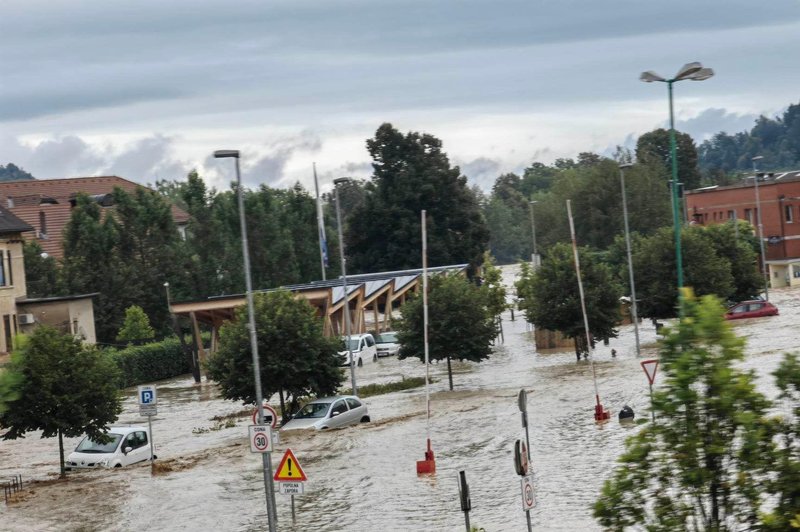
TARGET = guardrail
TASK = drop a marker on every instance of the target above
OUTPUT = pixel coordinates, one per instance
(11, 487)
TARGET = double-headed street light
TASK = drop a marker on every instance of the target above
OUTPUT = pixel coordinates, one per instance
(346, 301)
(272, 517)
(634, 310)
(692, 72)
(761, 229)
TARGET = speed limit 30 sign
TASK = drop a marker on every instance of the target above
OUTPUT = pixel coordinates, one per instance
(260, 438)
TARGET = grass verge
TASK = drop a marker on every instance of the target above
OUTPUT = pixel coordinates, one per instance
(379, 389)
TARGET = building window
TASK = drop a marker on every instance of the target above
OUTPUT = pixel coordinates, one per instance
(42, 225)
(789, 214)
(3, 278)
(731, 215)
(748, 215)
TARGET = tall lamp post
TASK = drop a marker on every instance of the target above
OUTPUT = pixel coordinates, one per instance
(692, 72)
(634, 311)
(534, 254)
(761, 229)
(272, 516)
(346, 303)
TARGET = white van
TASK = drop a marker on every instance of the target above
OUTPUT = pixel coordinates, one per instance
(128, 445)
(363, 348)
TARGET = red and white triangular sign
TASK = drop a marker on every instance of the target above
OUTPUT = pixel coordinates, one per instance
(289, 469)
(650, 367)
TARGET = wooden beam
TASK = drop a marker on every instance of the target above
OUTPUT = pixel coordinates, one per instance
(198, 340)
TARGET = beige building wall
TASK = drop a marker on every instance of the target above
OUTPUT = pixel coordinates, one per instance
(73, 316)
(12, 286)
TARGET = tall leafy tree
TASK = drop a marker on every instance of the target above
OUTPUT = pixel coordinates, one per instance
(551, 299)
(41, 272)
(655, 145)
(136, 326)
(63, 388)
(12, 172)
(739, 248)
(295, 358)
(412, 173)
(460, 327)
(701, 465)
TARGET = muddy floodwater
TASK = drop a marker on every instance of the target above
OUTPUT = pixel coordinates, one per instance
(363, 478)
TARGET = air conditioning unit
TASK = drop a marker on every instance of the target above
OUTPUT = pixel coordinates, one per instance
(41, 236)
(26, 319)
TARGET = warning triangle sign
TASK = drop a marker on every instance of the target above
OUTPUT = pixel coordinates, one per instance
(289, 469)
(650, 367)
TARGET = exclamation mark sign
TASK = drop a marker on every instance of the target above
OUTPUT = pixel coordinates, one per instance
(289, 463)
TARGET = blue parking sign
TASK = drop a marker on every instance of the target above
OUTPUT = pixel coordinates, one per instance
(147, 395)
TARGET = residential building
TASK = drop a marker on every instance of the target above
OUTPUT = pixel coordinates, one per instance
(779, 195)
(46, 204)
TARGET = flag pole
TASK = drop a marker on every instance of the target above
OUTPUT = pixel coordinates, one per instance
(323, 244)
(429, 464)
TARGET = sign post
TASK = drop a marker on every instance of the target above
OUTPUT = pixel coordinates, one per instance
(522, 451)
(291, 477)
(463, 495)
(148, 406)
(650, 367)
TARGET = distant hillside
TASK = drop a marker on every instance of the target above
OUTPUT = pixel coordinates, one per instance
(12, 172)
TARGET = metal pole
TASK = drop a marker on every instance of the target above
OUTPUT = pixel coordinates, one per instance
(266, 457)
(535, 254)
(652, 409)
(761, 232)
(321, 225)
(152, 452)
(634, 311)
(293, 515)
(425, 324)
(346, 302)
(676, 219)
(522, 402)
(528, 519)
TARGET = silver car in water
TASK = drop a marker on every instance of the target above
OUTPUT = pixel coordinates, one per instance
(329, 413)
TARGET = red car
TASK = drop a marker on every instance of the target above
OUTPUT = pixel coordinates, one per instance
(751, 309)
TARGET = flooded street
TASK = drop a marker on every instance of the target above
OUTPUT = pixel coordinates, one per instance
(363, 478)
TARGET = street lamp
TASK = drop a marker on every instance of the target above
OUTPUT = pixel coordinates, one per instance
(761, 229)
(336, 183)
(692, 72)
(634, 311)
(535, 254)
(266, 459)
(166, 286)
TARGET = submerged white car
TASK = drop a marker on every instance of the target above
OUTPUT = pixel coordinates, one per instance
(127, 446)
(329, 413)
(387, 344)
(363, 349)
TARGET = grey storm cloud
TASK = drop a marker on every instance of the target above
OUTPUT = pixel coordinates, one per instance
(481, 171)
(712, 121)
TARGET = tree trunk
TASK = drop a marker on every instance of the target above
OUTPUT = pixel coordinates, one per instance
(449, 373)
(61, 453)
(284, 415)
(578, 348)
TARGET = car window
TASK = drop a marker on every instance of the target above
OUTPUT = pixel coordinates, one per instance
(387, 338)
(369, 340)
(739, 309)
(756, 306)
(339, 407)
(353, 403)
(312, 410)
(87, 445)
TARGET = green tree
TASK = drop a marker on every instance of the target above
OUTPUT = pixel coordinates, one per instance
(12, 172)
(551, 299)
(412, 173)
(700, 466)
(9, 384)
(655, 145)
(41, 272)
(136, 325)
(296, 360)
(656, 278)
(492, 286)
(64, 389)
(461, 328)
(740, 250)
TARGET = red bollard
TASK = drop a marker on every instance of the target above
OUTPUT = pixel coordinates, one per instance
(429, 464)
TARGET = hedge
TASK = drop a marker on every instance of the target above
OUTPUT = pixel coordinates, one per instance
(141, 364)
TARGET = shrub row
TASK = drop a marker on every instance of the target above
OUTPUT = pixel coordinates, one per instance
(146, 363)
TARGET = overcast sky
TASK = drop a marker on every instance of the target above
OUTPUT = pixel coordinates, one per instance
(149, 89)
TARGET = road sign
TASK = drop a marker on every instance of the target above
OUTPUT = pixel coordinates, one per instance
(528, 499)
(522, 400)
(650, 367)
(521, 458)
(289, 469)
(147, 395)
(291, 488)
(270, 416)
(148, 410)
(260, 438)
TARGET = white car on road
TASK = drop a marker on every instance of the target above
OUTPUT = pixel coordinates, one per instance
(387, 344)
(363, 348)
(127, 446)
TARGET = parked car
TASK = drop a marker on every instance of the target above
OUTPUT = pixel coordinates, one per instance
(387, 344)
(755, 308)
(363, 348)
(127, 446)
(329, 413)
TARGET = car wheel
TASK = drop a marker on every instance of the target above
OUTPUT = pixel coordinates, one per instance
(365, 419)
(375, 358)
(118, 465)
(360, 363)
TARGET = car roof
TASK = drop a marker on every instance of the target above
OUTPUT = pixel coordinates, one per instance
(357, 335)
(125, 430)
(333, 398)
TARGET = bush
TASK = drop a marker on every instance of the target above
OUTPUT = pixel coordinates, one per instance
(151, 362)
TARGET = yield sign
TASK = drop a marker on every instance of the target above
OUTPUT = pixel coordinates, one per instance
(289, 469)
(650, 367)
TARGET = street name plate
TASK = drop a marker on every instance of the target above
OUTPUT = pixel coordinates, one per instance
(148, 410)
